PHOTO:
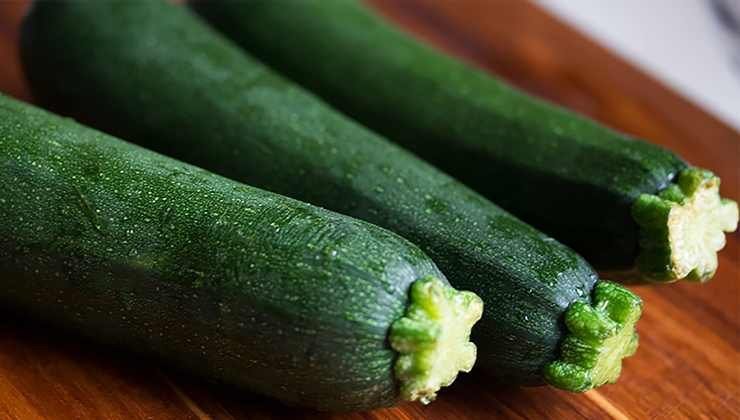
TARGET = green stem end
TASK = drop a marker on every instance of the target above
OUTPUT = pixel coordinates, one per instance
(683, 227)
(600, 336)
(433, 338)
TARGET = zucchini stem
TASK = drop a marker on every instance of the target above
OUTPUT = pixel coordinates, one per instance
(600, 336)
(433, 338)
(683, 227)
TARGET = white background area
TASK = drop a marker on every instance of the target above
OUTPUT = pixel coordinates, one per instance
(680, 42)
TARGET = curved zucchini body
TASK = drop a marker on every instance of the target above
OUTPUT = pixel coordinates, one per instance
(237, 284)
(155, 74)
(565, 174)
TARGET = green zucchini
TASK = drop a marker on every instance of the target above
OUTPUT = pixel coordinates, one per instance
(628, 206)
(237, 284)
(155, 74)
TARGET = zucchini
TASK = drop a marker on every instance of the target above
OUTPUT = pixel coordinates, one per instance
(628, 206)
(237, 284)
(154, 73)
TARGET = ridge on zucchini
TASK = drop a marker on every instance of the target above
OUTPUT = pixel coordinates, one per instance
(433, 338)
(601, 335)
(683, 227)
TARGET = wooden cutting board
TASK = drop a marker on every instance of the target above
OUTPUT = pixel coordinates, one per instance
(688, 365)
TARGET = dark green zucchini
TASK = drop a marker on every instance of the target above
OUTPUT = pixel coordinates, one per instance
(234, 283)
(628, 206)
(155, 74)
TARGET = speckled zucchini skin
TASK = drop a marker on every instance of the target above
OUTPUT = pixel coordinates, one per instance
(155, 74)
(565, 174)
(235, 283)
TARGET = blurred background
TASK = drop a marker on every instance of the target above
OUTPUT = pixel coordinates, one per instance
(691, 45)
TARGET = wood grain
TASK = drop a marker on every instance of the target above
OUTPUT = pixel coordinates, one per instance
(688, 365)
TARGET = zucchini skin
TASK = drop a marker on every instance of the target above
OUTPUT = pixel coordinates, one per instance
(236, 284)
(155, 74)
(563, 173)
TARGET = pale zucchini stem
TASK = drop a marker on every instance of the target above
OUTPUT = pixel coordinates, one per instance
(683, 227)
(600, 335)
(433, 338)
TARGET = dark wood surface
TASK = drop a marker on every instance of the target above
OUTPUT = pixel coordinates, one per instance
(688, 365)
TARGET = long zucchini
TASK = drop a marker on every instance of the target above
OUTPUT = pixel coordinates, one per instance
(628, 206)
(234, 283)
(157, 75)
